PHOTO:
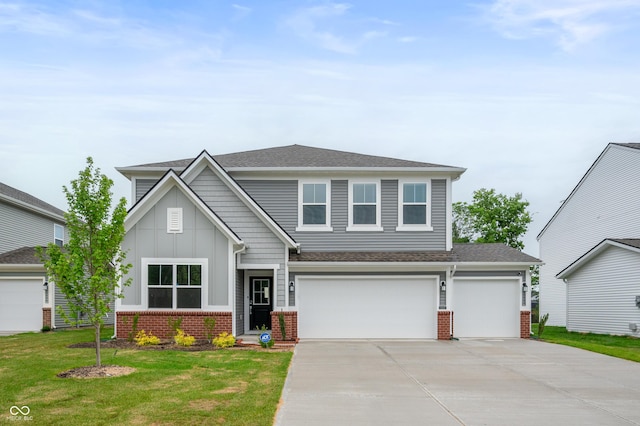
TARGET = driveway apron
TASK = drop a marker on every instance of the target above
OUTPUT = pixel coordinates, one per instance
(468, 382)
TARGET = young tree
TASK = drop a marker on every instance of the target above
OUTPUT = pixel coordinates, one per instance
(88, 268)
(491, 218)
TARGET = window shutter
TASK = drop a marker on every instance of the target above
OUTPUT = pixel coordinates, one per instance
(174, 220)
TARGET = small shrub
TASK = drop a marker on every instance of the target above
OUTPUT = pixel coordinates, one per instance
(209, 325)
(224, 340)
(175, 325)
(144, 339)
(283, 328)
(183, 339)
(45, 328)
(541, 324)
(134, 327)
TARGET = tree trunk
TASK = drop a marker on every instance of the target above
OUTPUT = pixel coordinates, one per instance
(98, 361)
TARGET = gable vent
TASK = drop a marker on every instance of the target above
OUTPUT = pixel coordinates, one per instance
(174, 220)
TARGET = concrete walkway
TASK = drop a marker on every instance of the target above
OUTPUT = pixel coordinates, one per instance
(469, 382)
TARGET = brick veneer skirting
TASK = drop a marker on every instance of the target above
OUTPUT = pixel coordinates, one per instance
(525, 324)
(290, 325)
(445, 324)
(46, 317)
(157, 322)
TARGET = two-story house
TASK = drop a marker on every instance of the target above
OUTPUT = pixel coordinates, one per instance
(338, 244)
(26, 302)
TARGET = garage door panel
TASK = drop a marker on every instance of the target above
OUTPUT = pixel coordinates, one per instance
(20, 304)
(486, 308)
(366, 307)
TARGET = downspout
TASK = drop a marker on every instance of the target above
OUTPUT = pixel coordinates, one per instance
(453, 272)
(242, 249)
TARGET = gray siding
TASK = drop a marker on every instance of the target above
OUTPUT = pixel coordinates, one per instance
(263, 246)
(280, 199)
(61, 303)
(200, 239)
(601, 295)
(143, 186)
(22, 228)
(239, 309)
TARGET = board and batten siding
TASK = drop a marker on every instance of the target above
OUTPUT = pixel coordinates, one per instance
(605, 205)
(280, 199)
(148, 238)
(263, 246)
(21, 228)
(601, 294)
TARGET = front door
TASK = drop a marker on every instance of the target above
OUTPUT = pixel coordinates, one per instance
(260, 303)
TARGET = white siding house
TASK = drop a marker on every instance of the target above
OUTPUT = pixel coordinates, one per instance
(604, 204)
(603, 287)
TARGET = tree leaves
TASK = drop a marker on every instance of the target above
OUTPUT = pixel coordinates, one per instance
(491, 218)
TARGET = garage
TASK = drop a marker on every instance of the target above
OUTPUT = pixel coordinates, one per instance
(367, 306)
(486, 307)
(21, 304)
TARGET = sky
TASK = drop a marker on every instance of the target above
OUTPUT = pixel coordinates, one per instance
(525, 94)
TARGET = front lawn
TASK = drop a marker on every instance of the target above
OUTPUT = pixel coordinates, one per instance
(239, 387)
(619, 346)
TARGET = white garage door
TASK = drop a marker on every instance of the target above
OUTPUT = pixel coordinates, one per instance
(367, 307)
(20, 304)
(486, 307)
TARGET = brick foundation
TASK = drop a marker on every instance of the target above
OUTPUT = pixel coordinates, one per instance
(46, 317)
(525, 324)
(290, 325)
(445, 324)
(157, 323)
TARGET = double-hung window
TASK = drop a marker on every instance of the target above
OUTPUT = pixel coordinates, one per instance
(364, 206)
(414, 212)
(175, 285)
(314, 206)
(58, 235)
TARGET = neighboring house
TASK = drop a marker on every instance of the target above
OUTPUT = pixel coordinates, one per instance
(604, 205)
(603, 289)
(27, 222)
(338, 244)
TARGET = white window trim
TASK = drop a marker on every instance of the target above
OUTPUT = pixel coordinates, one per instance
(377, 227)
(314, 228)
(56, 226)
(413, 227)
(204, 262)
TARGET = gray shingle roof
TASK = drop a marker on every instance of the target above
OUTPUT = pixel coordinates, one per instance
(629, 145)
(25, 198)
(21, 256)
(476, 253)
(299, 156)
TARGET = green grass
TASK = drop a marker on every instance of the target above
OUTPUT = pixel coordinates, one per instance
(624, 347)
(169, 387)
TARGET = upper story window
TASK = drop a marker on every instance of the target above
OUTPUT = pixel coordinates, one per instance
(414, 213)
(314, 206)
(58, 235)
(364, 206)
(175, 285)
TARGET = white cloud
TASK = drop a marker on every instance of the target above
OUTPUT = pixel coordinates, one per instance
(569, 23)
(407, 39)
(307, 23)
(241, 11)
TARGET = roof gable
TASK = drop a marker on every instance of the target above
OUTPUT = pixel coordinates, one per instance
(204, 160)
(631, 244)
(633, 148)
(161, 188)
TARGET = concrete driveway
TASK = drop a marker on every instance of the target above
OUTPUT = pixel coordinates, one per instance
(469, 382)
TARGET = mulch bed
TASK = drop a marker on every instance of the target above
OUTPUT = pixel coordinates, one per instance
(199, 345)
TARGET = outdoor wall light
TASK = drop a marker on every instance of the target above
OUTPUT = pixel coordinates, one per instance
(46, 285)
(292, 286)
(524, 287)
(443, 286)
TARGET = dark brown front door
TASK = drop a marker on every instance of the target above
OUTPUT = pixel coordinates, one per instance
(260, 302)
